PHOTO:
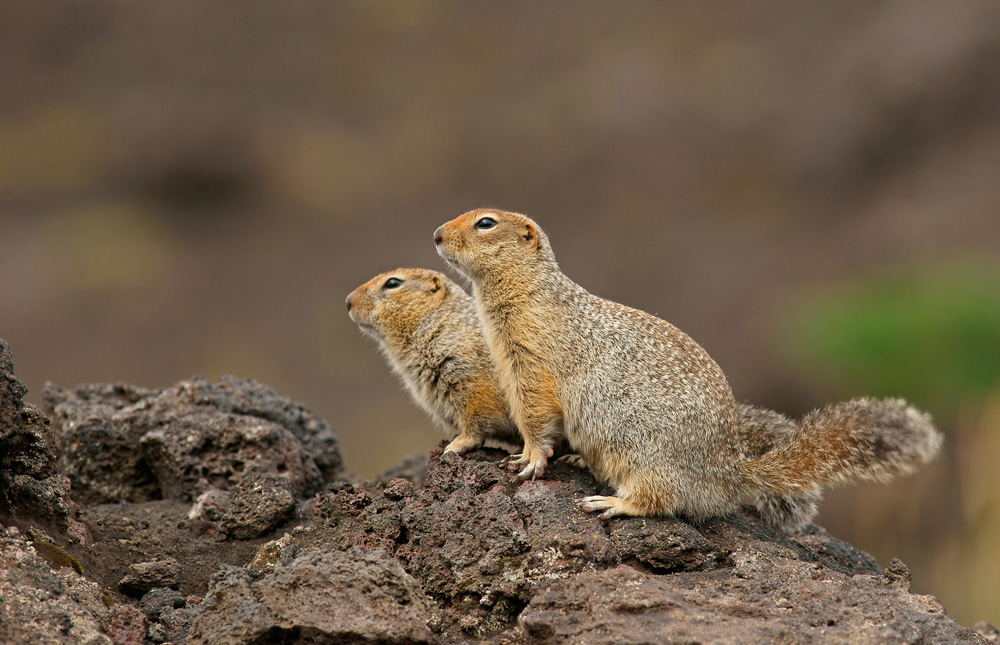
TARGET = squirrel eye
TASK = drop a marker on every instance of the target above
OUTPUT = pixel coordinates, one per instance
(392, 283)
(484, 223)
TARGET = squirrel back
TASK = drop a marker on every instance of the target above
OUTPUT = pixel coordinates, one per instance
(646, 406)
(427, 328)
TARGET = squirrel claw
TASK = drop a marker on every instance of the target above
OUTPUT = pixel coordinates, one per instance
(533, 468)
(513, 463)
(574, 460)
(612, 506)
(531, 471)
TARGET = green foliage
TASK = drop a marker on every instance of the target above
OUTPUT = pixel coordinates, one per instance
(931, 335)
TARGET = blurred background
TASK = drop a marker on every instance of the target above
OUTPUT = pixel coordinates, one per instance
(810, 190)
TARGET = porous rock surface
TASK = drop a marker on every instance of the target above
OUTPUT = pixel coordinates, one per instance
(42, 604)
(124, 443)
(352, 596)
(520, 561)
(31, 488)
(456, 552)
(259, 503)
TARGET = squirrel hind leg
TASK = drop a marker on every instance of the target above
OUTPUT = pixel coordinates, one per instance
(788, 513)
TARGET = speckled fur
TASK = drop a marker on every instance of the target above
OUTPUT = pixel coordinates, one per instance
(428, 331)
(649, 410)
(861, 439)
(761, 430)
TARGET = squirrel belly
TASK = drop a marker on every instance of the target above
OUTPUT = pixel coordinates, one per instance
(427, 328)
(645, 405)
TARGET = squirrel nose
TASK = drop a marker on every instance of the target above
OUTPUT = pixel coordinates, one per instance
(439, 235)
(350, 301)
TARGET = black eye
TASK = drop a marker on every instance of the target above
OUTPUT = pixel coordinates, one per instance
(485, 223)
(392, 283)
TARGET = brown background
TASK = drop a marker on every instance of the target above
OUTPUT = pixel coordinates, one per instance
(191, 187)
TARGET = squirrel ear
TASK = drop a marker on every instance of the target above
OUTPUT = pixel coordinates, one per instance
(436, 284)
(529, 233)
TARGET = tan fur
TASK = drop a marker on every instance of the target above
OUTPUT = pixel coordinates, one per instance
(646, 406)
(428, 331)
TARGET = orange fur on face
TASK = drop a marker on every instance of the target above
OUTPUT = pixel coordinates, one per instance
(395, 314)
(481, 252)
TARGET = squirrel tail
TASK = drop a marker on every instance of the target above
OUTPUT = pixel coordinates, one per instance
(861, 439)
(761, 430)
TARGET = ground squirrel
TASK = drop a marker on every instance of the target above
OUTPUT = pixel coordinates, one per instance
(649, 410)
(428, 330)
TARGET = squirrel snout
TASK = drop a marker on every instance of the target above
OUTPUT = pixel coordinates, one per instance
(350, 301)
(439, 235)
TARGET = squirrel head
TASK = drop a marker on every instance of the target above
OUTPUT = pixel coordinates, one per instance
(488, 242)
(391, 305)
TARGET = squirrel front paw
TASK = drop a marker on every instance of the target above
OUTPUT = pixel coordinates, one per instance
(534, 459)
(462, 444)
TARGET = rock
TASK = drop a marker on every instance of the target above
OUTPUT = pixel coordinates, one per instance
(210, 505)
(29, 485)
(763, 599)
(514, 562)
(45, 606)
(173, 626)
(273, 553)
(24, 435)
(352, 596)
(160, 599)
(100, 452)
(168, 613)
(125, 443)
(476, 540)
(467, 555)
(249, 397)
(681, 548)
(127, 625)
(145, 576)
(259, 503)
(398, 489)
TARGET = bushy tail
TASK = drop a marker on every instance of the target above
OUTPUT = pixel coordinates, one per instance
(862, 439)
(761, 430)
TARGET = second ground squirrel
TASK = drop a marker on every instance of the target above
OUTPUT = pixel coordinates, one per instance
(648, 409)
(427, 328)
